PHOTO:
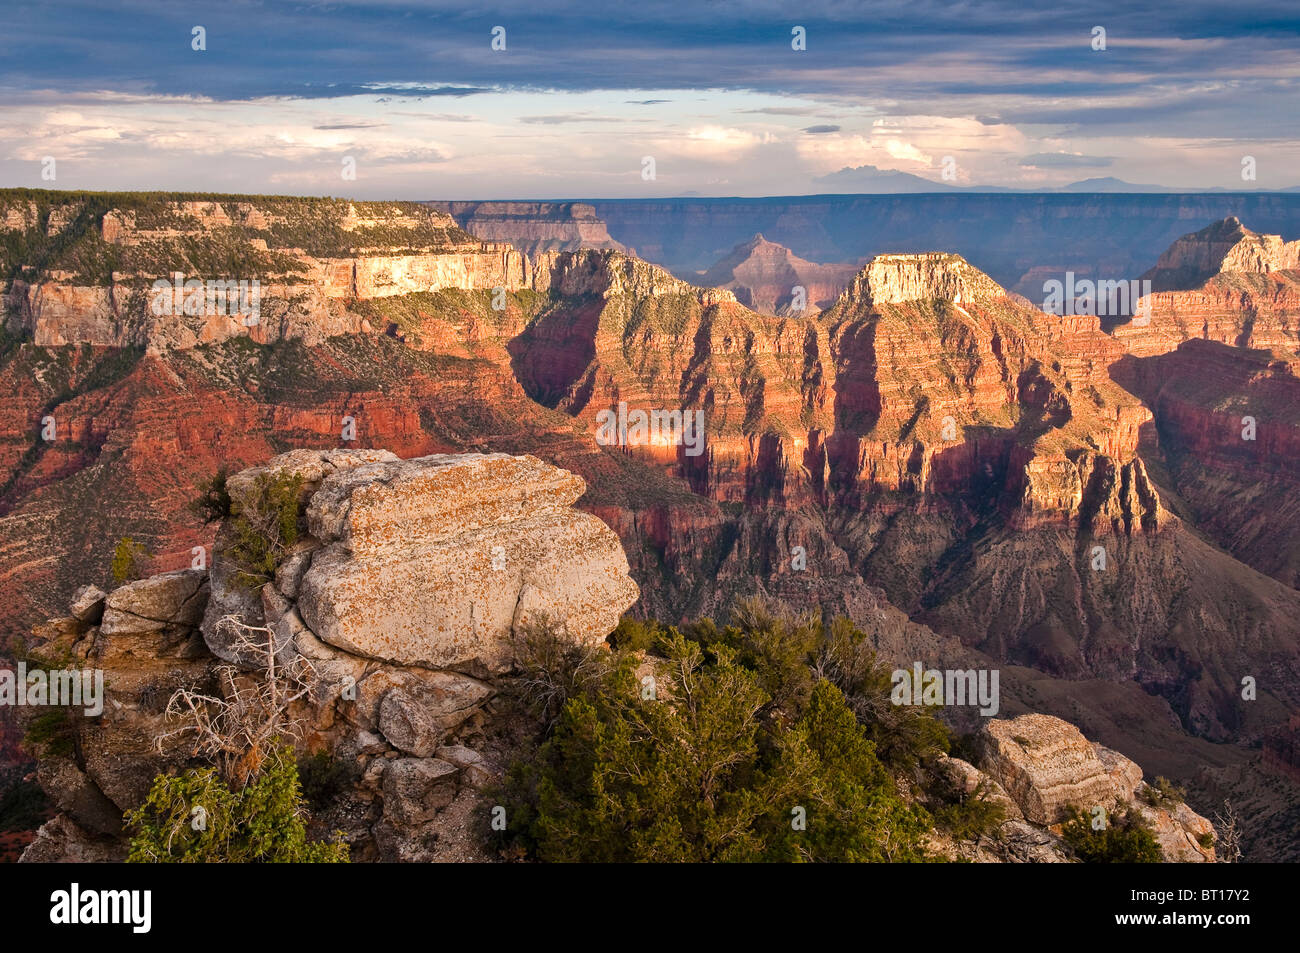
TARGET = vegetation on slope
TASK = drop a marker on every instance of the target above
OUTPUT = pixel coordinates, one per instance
(769, 739)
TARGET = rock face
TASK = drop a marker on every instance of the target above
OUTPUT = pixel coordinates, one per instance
(533, 227)
(435, 561)
(1046, 766)
(1223, 247)
(1228, 424)
(314, 261)
(895, 279)
(764, 275)
(1223, 283)
(376, 600)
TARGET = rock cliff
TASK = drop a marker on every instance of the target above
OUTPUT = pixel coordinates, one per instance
(1227, 423)
(1223, 283)
(405, 597)
(533, 227)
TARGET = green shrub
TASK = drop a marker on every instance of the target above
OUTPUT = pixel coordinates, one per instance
(51, 734)
(265, 528)
(970, 816)
(129, 559)
(323, 779)
(710, 766)
(1124, 840)
(1163, 793)
(194, 817)
(213, 502)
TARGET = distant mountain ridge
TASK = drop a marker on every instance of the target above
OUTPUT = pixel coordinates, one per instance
(1019, 239)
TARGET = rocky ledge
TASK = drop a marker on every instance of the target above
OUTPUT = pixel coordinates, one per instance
(1038, 768)
(404, 598)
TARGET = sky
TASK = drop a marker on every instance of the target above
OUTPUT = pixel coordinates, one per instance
(643, 99)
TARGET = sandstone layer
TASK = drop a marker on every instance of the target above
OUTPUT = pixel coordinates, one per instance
(1223, 283)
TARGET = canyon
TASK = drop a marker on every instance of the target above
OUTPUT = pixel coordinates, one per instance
(1020, 240)
(948, 459)
(415, 720)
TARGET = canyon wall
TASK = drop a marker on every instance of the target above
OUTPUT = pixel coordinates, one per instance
(533, 227)
(1019, 240)
(1223, 283)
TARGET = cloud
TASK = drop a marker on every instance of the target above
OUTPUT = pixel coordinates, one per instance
(786, 110)
(716, 143)
(1014, 95)
(562, 119)
(360, 124)
(1067, 160)
(905, 150)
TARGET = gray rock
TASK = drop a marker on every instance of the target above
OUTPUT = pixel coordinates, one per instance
(449, 698)
(88, 604)
(415, 789)
(62, 841)
(437, 561)
(408, 725)
(76, 795)
(289, 576)
(475, 770)
(159, 603)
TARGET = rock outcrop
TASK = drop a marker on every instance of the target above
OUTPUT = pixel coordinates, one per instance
(1037, 769)
(533, 227)
(1047, 767)
(895, 279)
(1223, 283)
(764, 276)
(401, 638)
(1224, 247)
(435, 561)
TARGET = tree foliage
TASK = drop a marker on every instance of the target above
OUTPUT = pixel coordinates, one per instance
(265, 527)
(1125, 839)
(716, 744)
(129, 559)
(194, 817)
(212, 504)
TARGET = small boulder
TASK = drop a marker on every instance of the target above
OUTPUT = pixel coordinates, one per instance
(408, 725)
(415, 789)
(88, 604)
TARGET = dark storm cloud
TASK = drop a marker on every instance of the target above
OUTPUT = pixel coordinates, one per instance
(862, 51)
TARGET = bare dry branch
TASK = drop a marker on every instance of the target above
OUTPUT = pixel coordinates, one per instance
(235, 729)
